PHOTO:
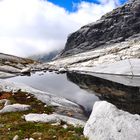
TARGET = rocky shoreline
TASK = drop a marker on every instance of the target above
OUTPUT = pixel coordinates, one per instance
(37, 107)
(40, 107)
(108, 47)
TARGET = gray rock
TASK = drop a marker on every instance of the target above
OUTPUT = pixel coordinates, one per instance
(14, 108)
(54, 118)
(109, 123)
(116, 26)
(26, 70)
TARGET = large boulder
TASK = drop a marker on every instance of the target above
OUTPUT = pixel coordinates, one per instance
(109, 123)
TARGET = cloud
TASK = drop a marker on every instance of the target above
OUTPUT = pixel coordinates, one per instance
(33, 26)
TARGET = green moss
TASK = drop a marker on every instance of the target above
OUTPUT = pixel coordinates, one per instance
(12, 124)
(36, 105)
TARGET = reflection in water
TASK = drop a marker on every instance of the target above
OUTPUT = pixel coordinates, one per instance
(59, 85)
(123, 96)
(86, 89)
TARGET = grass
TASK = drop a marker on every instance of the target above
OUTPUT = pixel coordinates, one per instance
(12, 124)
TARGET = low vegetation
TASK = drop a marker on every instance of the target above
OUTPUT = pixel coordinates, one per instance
(12, 124)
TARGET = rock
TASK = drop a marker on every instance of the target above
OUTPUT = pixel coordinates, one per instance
(53, 118)
(124, 67)
(70, 120)
(31, 138)
(16, 137)
(14, 108)
(116, 26)
(105, 60)
(41, 118)
(109, 123)
(37, 134)
(26, 70)
(9, 69)
(1, 125)
(4, 75)
(56, 124)
(65, 126)
(62, 70)
(5, 102)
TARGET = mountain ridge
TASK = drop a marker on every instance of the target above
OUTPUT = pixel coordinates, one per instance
(113, 27)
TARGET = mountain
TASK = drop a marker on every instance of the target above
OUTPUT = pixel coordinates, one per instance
(111, 45)
(44, 57)
(116, 26)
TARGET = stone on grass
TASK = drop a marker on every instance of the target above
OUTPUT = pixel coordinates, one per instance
(16, 137)
(54, 118)
(41, 118)
(14, 108)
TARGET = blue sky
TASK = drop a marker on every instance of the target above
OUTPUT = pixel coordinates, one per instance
(68, 4)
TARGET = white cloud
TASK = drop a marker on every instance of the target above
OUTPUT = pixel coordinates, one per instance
(32, 26)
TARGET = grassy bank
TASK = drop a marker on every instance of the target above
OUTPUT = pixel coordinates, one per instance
(12, 124)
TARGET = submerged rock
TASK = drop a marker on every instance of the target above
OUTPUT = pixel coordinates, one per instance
(109, 123)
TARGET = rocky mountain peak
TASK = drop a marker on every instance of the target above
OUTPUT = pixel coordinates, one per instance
(115, 26)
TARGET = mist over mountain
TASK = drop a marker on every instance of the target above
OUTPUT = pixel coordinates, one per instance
(45, 57)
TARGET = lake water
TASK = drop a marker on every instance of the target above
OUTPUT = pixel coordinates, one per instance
(60, 85)
(83, 89)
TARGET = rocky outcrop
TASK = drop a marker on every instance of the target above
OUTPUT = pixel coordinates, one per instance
(114, 27)
(11, 66)
(18, 62)
(109, 123)
(106, 46)
(118, 58)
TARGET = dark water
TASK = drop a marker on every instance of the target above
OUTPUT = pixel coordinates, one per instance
(124, 92)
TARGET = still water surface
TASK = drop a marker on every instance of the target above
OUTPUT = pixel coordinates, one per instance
(123, 92)
(60, 85)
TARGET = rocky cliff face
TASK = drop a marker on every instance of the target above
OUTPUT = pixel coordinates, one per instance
(110, 45)
(114, 27)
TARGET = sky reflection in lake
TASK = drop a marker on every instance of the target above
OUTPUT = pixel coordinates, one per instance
(58, 84)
